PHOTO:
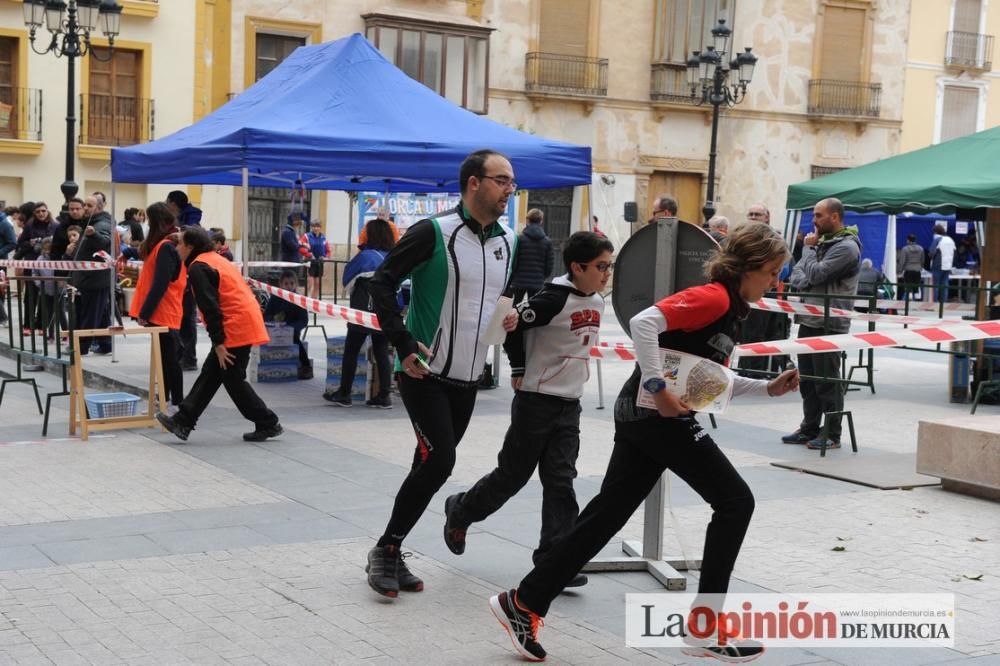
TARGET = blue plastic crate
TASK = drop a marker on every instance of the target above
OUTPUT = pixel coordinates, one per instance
(110, 405)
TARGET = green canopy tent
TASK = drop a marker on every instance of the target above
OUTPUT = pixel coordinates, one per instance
(963, 173)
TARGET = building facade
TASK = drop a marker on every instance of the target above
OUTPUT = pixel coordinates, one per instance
(827, 92)
(950, 71)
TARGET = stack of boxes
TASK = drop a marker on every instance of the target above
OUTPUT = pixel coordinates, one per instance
(334, 365)
(279, 359)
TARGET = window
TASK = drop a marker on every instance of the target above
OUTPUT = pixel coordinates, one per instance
(564, 26)
(113, 109)
(959, 111)
(452, 60)
(272, 50)
(843, 46)
(8, 86)
(819, 170)
(966, 17)
(683, 26)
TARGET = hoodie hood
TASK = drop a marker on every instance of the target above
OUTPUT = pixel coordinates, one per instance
(534, 231)
(846, 231)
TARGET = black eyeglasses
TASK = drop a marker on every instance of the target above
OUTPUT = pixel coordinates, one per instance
(602, 266)
(502, 181)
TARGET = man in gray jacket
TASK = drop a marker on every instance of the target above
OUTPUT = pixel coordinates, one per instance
(911, 262)
(94, 307)
(830, 265)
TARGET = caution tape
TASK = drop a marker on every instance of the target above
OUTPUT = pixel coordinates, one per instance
(350, 315)
(800, 308)
(45, 264)
(966, 331)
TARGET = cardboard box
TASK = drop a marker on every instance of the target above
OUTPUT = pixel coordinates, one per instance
(280, 333)
(278, 354)
(278, 372)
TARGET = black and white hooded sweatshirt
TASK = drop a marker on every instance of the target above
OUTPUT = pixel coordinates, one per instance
(550, 347)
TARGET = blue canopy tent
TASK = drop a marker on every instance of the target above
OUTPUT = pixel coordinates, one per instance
(339, 116)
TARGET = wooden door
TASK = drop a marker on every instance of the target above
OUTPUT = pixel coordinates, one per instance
(684, 187)
(8, 87)
(112, 107)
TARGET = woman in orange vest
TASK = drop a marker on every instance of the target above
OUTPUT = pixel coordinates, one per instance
(235, 324)
(159, 294)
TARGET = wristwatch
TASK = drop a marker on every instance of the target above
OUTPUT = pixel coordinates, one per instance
(654, 384)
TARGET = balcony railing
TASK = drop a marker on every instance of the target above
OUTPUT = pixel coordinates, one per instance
(557, 73)
(854, 99)
(21, 114)
(109, 120)
(668, 83)
(969, 50)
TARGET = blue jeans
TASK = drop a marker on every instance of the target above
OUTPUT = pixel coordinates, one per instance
(941, 279)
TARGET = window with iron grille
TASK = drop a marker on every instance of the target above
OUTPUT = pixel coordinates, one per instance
(452, 60)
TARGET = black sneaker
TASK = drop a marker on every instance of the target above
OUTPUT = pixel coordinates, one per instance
(382, 570)
(820, 443)
(797, 437)
(454, 536)
(380, 401)
(737, 651)
(408, 582)
(260, 434)
(522, 625)
(178, 430)
(579, 580)
(339, 398)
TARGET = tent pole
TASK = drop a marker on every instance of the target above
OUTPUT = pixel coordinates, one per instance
(590, 207)
(351, 202)
(246, 222)
(889, 263)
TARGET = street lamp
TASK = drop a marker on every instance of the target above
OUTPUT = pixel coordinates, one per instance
(708, 77)
(70, 23)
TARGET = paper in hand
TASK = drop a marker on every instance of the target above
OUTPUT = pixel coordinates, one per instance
(495, 334)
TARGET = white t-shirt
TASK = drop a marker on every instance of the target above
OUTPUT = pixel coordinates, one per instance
(946, 246)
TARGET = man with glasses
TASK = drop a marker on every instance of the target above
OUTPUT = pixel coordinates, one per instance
(459, 263)
(759, 213)
(549, 355)
(664, 206)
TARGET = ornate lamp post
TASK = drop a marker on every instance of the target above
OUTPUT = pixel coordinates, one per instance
(70, 23)
(708, 76)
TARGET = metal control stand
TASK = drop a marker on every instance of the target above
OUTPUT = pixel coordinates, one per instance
(676, 250)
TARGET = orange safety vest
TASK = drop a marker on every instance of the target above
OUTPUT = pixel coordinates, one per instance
(170, 310)
(242, 320)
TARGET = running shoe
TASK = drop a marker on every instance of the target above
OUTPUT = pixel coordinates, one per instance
(382, 570)
(521, 624)
(737, 650)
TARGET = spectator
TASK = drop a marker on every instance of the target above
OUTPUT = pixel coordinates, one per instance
(357, 278)
(49, 290)
(8, 242)
(869, 279)
(73, 233)
(597, 229)
(942, 254)
(381, 214)
(911, 263)
(38, 224)
(758, 212)
(159, 295)
(533, 258)
(133, 226)
(664, 206)
(235, 326)
(218, 237)
(73, 215)
(319, 249)
(184, 212)
(293, 316)
(718, 228)
(797, 248)
(93, 287)
(830, 265)
(292, 249)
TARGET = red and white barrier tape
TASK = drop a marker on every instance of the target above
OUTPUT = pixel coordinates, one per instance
(350, 315)
(56, 265)
(966, 331)
(800, 308)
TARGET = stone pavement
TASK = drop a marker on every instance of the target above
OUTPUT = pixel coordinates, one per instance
(133, 549)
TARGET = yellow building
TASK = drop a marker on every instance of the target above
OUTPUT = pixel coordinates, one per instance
(145, 91)
(949, 71)
(827, 92)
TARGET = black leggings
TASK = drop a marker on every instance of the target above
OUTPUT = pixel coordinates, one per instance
(643, 450)
(352, 347)
(440, 413)
(173, 375)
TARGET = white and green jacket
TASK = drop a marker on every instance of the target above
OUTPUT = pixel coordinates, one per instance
(458, 272)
